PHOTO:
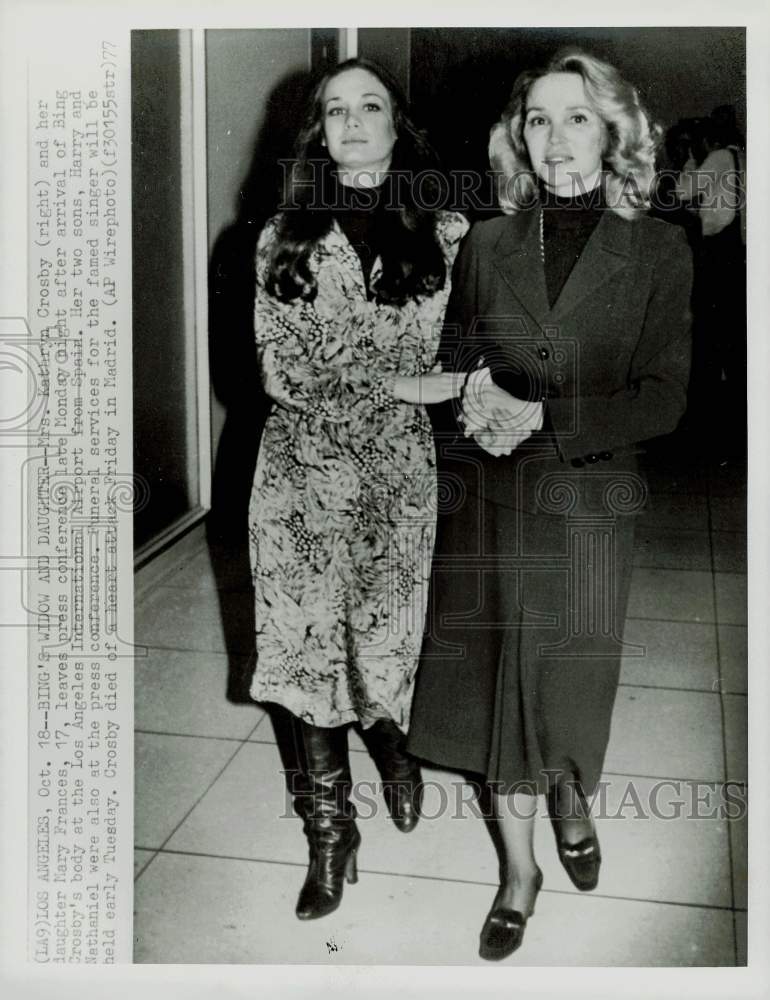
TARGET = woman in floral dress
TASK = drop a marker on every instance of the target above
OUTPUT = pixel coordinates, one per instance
(352, 283)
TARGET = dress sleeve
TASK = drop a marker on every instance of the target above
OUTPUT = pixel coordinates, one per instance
(655, 395)
(310, 362)
(451, 227)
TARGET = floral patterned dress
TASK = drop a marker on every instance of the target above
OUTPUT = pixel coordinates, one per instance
(343, 506)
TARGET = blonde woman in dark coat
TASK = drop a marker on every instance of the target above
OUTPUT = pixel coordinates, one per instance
(572, 313)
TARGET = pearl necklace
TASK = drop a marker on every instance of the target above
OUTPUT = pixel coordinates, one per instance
(542, 235)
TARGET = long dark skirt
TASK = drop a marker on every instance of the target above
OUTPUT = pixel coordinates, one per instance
(521, 657)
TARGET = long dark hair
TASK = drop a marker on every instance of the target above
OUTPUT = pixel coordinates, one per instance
(412, 261)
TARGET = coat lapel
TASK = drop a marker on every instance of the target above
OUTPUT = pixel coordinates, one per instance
(606, 252)
(517, 258)
(518, 261)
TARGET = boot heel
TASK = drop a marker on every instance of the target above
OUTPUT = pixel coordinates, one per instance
(351, 868)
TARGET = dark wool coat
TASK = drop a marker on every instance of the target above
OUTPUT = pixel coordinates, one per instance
(533, 557)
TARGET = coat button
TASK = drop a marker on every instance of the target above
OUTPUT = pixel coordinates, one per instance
(605, 456)
(544, 354)
(592, 459)
(578, 463)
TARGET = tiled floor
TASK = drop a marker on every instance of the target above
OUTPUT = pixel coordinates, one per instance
(219, 860)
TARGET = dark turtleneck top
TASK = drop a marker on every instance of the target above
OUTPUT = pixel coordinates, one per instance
(567, 226)
(359, 214)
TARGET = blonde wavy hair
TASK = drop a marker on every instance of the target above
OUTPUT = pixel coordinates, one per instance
(631, 138)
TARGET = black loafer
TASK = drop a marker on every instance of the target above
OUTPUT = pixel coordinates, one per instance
(503, 930)
(581, 861)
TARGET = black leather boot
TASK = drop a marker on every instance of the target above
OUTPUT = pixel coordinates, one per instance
(328, 817)
(401, 776)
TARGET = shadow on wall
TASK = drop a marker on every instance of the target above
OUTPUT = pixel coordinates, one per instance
(234, 373)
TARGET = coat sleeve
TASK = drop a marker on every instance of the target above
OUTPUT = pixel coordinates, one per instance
(306, 359)
(459, 351)
(655, 395)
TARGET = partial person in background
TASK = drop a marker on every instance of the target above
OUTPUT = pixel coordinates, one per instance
(713, 185)
(667, 203)
(352, 280)
(572, 313)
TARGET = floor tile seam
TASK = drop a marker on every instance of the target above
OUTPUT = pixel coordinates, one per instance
(246, 653)
(203, 794)
(239, 653)
(440, 878)
(659, 529)
(186, 649)
(683, 621)
(172, 570)
(202, 736)
(743, 785)
(731, 853)
(676, 621)
(618, 774)
(676, 569)
(643, 525)
(256, 727)
(147, 863)
(722, 714)
(667, 687)
(268, 741)
(652, 520)
(687, 690)
(661, 687)
(734, 572)
(624, 684)
(209, 590)
(735, 938)
(650, 524)
(172, 586)
(700, 572)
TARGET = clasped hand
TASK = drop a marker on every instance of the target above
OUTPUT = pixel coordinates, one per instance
(498, 421)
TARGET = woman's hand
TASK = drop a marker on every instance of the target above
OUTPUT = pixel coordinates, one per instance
(497, 442)
(497, 420)
(435, 387)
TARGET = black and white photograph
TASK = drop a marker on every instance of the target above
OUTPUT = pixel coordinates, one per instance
(442, 575)
(382, 491)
